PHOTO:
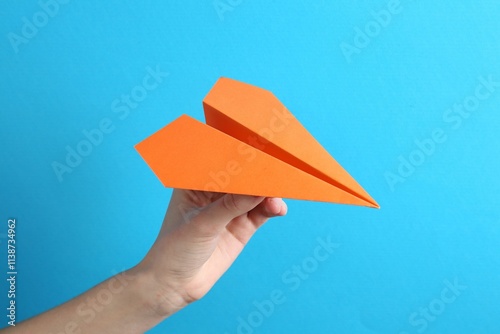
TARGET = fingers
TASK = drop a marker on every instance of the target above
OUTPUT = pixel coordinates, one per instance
(214, 217)
(277, 207)
(270, 207)
(244, 229)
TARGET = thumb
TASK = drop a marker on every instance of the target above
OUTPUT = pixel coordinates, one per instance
(214, 217)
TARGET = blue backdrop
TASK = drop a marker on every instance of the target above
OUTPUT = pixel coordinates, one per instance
(404, 94)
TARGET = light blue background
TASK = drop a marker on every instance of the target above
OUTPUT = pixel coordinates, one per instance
(440, 224)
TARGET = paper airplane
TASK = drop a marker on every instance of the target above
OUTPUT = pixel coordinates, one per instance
(250, 145)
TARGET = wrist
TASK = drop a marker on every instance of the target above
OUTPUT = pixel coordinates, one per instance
(159, 299)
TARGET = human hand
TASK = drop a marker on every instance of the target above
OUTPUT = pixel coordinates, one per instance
(201, 236)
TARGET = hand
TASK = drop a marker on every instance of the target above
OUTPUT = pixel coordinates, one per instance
(201, 236)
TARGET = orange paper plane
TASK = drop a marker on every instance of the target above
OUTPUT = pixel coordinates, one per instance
(250, 145)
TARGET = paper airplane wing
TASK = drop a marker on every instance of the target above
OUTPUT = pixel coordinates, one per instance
(253, 146)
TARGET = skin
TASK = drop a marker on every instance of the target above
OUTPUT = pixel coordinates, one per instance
(201, 236)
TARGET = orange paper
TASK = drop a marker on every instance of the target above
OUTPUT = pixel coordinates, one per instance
(250, 145)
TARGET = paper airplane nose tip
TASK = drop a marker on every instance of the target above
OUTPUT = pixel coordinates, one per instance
(370, 203)
(374, 203)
